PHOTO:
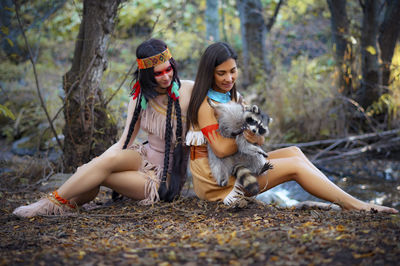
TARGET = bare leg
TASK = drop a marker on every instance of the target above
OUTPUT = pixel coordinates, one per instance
(117, 170)
(291, 164)
(86, 197)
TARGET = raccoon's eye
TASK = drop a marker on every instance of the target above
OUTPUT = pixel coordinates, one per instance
(250, 121)
(262, 131)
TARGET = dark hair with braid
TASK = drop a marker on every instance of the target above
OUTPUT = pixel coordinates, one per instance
(178, 173)
(135, 118)
(146, 76)
(148, 85)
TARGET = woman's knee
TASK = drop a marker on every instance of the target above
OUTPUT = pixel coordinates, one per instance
(131, 156)
(295, 151)
(109, 155)
(300, 166)
(118, 155)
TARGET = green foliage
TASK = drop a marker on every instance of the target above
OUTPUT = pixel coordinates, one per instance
(6, 112)
(294, 11)
(299, 93)
(386, 105)
(64, 25)
(395, 74)
(300, 100)
(10, 72)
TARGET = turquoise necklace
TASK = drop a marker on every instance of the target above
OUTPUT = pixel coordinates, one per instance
(219, 96)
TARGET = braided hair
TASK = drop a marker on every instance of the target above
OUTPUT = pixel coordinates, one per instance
(178, 167)
(148, 86)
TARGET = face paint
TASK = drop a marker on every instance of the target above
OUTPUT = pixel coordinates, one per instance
(163, 75)
(163, 72)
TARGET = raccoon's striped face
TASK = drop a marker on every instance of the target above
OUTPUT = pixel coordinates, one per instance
(257, 123)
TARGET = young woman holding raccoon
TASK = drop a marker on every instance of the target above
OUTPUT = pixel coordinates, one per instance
(215, 80)
(140, 172)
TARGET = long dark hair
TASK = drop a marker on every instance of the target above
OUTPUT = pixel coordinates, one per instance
(148, 86)
(213, 56)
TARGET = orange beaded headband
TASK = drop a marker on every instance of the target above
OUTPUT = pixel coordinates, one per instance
(154, 60)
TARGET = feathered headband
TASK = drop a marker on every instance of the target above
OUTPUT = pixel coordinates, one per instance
(154, 60)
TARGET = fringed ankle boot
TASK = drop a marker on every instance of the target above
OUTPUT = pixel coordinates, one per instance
(234, 195)
(53, 204)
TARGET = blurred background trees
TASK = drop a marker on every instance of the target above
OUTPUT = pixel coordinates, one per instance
(322, 69)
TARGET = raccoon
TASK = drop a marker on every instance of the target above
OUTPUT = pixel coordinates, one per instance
(250, 160)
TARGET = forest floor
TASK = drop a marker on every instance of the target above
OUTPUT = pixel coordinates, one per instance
(193, 232)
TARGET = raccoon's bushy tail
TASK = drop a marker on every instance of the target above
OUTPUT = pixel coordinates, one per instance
(246, 179)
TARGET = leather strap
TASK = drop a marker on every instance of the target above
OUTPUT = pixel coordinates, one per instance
(197, 152)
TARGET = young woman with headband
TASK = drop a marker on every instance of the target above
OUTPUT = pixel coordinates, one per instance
(148, 172)
(215, 80)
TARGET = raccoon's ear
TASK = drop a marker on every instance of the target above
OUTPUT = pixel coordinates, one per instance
(247, 108)
(255, 109)
(270, 120)
(211, 103)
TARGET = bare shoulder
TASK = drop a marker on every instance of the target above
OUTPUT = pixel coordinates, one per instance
(187, 86)
(185, 92)
(206, 112)
(205, 106)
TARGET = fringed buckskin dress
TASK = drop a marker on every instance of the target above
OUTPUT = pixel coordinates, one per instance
(204, 183)
(152, 121)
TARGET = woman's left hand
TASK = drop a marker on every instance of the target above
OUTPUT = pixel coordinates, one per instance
(253, 138)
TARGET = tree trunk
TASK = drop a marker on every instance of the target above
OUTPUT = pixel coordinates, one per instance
(212, 21)
(88, 131)
(370, 89)
(389, 33)
(253, 31)
(342, 46)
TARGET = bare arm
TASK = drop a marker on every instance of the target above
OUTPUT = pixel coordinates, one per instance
(253, 138)
(185, 92)
(120, 143)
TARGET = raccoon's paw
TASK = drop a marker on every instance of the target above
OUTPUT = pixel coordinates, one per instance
(265, 168)
(257, 149)
(263, 153)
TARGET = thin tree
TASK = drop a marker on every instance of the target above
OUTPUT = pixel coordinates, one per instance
(388, 35)
(343, 49)
(88, 131)
(212, 20)
(254, 30)
(370, 88)
(380, 29)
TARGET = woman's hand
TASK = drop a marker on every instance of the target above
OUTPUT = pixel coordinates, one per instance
(253, 138)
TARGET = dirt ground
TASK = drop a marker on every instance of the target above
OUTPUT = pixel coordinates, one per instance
(195, 232)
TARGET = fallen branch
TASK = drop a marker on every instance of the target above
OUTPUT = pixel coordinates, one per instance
(361, 150)
(341, 140)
